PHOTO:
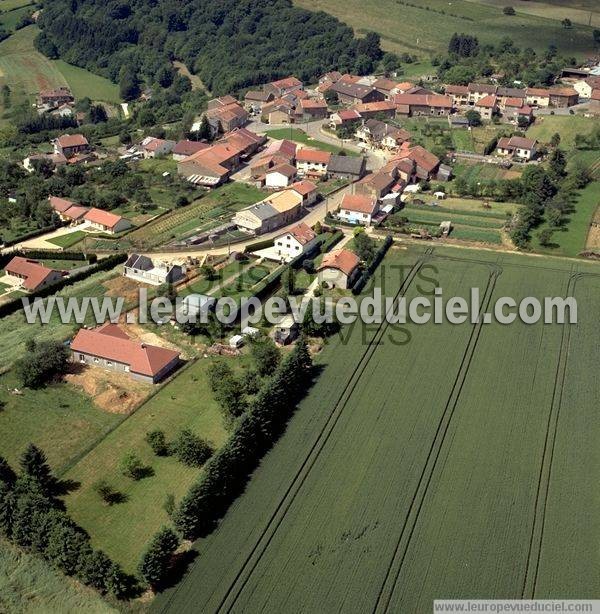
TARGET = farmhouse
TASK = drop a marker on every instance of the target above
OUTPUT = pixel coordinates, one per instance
(358, 209)
(379, 134)
(55, 97)
(153, 147)
(339, 269)
(70, 145)
(517, 147)
(487, 106)
(142, 268)
(186, 148)
(585, 87)
(376, 109)
(477, 91)
(353, 93)
(31, 276)
(307, 190)
(106, 221)
(346, 167)
(459, 94)
(426, 163)
(226, 114)
(270, 213)
(378, 184)
(255, 100)
(108, 346)
(283, 86)
(424, 104)
(312, 162)
(299, 239)
(67, 210)
(563, 97)
(277, 152)
(313, 109)
(537, 97)
(345, 117)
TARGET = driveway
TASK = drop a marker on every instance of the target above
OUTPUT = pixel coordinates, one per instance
(42, 242)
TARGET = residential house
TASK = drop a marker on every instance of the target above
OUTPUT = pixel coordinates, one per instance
(358, 209)
(29, 275)
(379, 134)
(106, 221)
(270, 213)
(423, 104)
(300, 239)
(286, 330)
(312, 109)
(226, 116)
(255, 100)
(70, 145)
(307, 190)
(346, 167)
(339, 269)
(312, 162)
(277, 152)
(384, 108)
(585, 87)
(108, 346)
(283, 86)
(477, 91)
(280, 176)
(67, 210)
(354, 93)
(280, 111)
(517, 147)
(144, 269)
(377, 185)
(345, 117)
(426, 163)
(513, 109)
(537, 97)
(487, 106)
(221, 102)
(153, 147)
(186, 148)
(386, 86)
(54, 98)
(459, 95)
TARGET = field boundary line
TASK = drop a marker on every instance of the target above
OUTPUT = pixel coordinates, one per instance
(388, 586)
(534, 553)
(243, 575)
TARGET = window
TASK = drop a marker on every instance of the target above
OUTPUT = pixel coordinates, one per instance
(81, 357)
(109, 363)
(96, 360)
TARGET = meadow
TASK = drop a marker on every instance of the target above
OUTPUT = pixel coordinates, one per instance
(418, 466)
(425, 26)
(299, 136)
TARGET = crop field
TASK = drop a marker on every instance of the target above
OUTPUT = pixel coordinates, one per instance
(427, 461)
(426, 25)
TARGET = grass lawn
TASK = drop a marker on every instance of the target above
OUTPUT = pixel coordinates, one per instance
(60, 419)
(426, 28)
(10, 19)
(29, 584)
(84, 83)
(481, 172)
(66, 265)
(571, 240)
(566, 125)
(185, 402)
(158, 165)
(69, 239)
(299, 136)
(9, 5)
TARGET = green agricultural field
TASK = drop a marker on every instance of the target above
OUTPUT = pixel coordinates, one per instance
(427, 27)
(9, 19)
(571, 240)
(122, 530)
(29, 584)
(86, 84)
(60, 419)
(418, 465)
(299, 136)
(566, 125)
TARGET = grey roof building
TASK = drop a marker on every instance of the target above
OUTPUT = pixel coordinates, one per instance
(346, 167)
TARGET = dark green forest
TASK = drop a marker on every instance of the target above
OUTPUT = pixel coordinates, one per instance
(230, 44)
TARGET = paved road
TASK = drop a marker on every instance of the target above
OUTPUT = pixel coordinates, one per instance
(315, 214)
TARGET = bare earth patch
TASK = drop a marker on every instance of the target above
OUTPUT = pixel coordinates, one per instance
(123, 286)
(117, 393)
(593, 238)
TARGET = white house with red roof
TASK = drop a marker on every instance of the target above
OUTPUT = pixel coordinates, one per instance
(105, 221)
(358, 209)
(67, 210)
(312, 162)
(153, 147)
(280, 176)
(109, 347)
(300, 239)
(339, 268)
(29, 275)
(307, 190)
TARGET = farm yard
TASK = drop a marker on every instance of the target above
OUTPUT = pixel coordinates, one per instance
(482, 459)
(426, 27)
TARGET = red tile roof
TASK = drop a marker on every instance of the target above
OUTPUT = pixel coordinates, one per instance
(111, 343)
(488, 101)
(287, 170)
(303, 187)
(348, 114)
(302, 233)
(33, 272)
(105, 218)
(72, 140)
(187, 148)
(422, 158)
(375, 107)
(310, 103)
(341, 259)
(358, 202)
(60, 204)
(313, 155)
(75, 212)
(596, 94)
(457, 89)
(423, 100)
(287, 82)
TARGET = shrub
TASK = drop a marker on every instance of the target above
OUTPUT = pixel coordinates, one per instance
(154, 564)
(132, 467)
(191, 449)
(157, 441)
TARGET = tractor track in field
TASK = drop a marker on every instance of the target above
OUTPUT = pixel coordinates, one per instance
(243, 575)
(534, 553)
(394, 570)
